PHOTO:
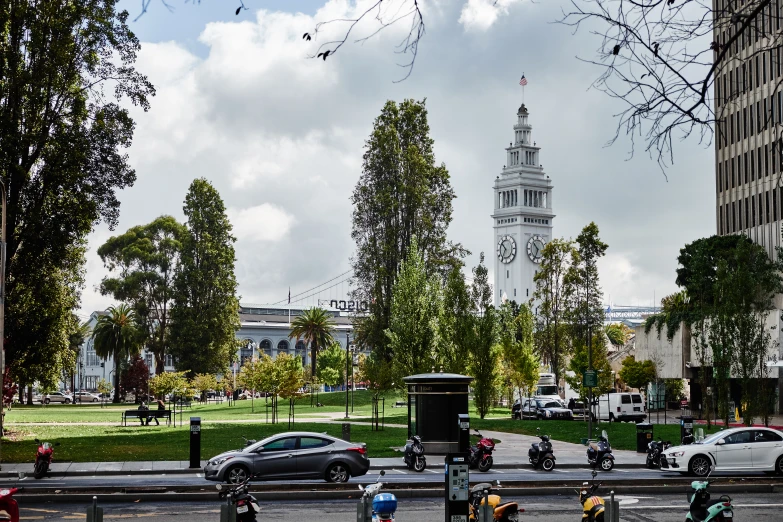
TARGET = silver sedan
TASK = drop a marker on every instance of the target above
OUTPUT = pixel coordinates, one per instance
(292, 455)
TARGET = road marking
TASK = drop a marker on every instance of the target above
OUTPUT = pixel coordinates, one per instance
(398, 471)
(525, 470)
(621, 470)
(497, 471)
(561, 470)
(431, 471)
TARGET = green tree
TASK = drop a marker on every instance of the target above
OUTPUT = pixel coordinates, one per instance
(169, 383)
(637, 374)
(618, 333)
(586, 312)
(331, 365)
(516, 325)
(205, 316)
(579, 363)
(203, 382)
(413, 325)
(104, 388)
(486, 352)
(62, 162)
(315, 327)
(455, 324)
(116, 335)
(401, 194)
(554, 288)
(144, 260)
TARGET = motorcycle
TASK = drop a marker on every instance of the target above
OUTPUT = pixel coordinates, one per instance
(599, 453)
(414, 454)
(481, 453)
(702, 509)
(483, 494)
(541, 454)
(43, 459)
(9, 509)
(384, 505)
(655, 451)
(592, 505)
(246, 504)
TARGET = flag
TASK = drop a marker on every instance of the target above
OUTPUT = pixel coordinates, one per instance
(289, 295)
(523, 80)
(609, 309)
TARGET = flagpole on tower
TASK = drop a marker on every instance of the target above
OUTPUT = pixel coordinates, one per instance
(523, 82)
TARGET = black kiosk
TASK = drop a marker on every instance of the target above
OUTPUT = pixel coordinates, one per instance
(434, 402)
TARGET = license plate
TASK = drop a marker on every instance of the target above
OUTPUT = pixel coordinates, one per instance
(728, 514)
(242, 509)
(637, 409)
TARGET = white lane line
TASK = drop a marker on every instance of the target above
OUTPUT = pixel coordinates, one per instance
(498, 471)
(431, 471)
(621, 470)
(525, 470)
(399, 471)
(561, 470)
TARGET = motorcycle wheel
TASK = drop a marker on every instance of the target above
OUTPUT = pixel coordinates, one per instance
(650, 462)
(40, 469)
(548, 464)
(485, 464)
(419, 464)
(607, 464)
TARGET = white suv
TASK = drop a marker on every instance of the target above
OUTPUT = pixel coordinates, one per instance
(86, 397)
(57, 397)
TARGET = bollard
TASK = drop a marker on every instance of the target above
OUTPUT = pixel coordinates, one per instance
(94, 513)
(346, 432)
(612, 509)
(228, 512)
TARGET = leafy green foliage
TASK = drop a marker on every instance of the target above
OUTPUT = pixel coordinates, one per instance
(401, 194)
(638, 374)
(331, 365)
(203, 382)
(520, 361)
(205, 316)
(586, 311)
(618, 333)
(116, 335)
(62, 162)
(169, 383)
(485, 353)
(600, 362)
(315, 326)
(455, 324)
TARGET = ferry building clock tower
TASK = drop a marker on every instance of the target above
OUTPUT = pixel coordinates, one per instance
(522, 217)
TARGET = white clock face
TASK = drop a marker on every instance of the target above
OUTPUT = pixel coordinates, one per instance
(535, 246)
(507, 249)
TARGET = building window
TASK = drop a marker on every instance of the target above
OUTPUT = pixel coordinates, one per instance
(246, 352)
(720, 221)
(301, 350)
(168, 361)
(515, 292)
(527, 292)
(282, 346)
(148, 361)
(266, 346)
(506, 278)
(766, 207)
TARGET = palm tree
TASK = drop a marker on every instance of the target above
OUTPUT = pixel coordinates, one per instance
(314, 326)
(117, 335)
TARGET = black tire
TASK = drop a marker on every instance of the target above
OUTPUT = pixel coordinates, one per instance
(611, 417)
(419, 464)
(548, 464)
(95, 400)
(236, 474)
(47, 400)
(699, 465)
(338, 473)
(651, 462)
(40, 469)
(67, 401)
(607, 464)
(485, 465)
(779, 466)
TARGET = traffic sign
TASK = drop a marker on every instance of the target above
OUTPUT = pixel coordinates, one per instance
(590, 379)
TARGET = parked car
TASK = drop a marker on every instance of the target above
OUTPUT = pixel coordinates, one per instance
(84, 396)
(736, 449)
(291, 456)
(57, 397)
(623, 407)
(540, 408)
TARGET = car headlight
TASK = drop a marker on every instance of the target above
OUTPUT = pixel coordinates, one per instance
(548, 413)
(219, 461)
(677, 454)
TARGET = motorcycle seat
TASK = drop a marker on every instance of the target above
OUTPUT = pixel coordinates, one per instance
(4, 515)
(481, 487)
(700, 511)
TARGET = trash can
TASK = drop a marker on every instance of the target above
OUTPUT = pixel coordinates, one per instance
(686, 429)
(644, 435)
(346, 432)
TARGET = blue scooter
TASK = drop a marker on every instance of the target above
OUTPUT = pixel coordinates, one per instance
(703, 509)
(384, 505)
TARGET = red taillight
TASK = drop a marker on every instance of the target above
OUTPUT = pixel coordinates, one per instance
(618, 409)
(240, 502)
(727, 504)
(359, 449)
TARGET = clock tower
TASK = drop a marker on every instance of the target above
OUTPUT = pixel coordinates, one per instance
(522, 218)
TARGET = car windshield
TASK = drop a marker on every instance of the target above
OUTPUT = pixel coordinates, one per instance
(548, 404)
(712, 438)
(547, 390)
(259, 444)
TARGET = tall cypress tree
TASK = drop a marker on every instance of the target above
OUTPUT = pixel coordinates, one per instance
(205, 316)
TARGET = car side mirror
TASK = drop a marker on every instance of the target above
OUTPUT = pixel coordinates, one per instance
(720, 442)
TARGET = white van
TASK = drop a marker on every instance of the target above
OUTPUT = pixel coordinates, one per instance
(622, 407)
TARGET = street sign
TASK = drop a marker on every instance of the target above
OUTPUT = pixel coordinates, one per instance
(590, 379)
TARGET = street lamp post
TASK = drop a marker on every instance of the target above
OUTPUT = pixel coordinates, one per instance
(2, 313)
(347, 362)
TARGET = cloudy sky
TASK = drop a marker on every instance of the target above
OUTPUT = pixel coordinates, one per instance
(281, 137)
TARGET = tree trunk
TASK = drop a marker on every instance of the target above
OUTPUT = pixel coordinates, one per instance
(116, 399)
(159, 363)
(29, 395)
(313, 355)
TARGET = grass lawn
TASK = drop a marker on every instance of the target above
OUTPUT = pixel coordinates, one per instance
(134, 443)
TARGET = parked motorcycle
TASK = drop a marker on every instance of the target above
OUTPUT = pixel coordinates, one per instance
(384, 505)
(43, 459)
(655, 450)
(414, 454)
(592, 505)
(9, 509)
(702, 509)
(246, 504)
(484, 494)
(481, 453)
(541, 453)
(599, 453)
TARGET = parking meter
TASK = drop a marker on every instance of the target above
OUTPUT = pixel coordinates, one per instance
(463, 421)
(195, 442)
(457, 487)
(686, 429)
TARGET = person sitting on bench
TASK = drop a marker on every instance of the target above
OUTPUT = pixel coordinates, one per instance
(143, 407)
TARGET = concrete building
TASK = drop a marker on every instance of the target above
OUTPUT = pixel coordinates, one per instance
(263, 329)
(522, 217)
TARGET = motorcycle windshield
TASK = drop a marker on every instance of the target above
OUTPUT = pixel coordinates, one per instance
(47, 445)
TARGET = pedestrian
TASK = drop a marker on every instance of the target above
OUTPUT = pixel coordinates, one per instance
(571, 404)
(161, 407)
(143, 407)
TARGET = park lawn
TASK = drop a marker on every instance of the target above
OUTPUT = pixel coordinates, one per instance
(137, 443)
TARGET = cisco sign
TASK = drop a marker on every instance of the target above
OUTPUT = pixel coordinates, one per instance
(347, 306)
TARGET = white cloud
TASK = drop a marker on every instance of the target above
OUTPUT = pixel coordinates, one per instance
(263, 222)
(480, 15)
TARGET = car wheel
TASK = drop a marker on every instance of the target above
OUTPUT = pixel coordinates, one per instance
(548, 464)
(607, 464)
(779, 465)
(95, 400)
(699, 466)
(236, 474)
(67, 401)
(337, 473)
(47, 400)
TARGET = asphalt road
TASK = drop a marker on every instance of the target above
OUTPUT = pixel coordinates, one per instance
(652, 508)
(433, 475)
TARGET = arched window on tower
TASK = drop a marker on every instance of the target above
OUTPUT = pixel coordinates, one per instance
(282, 346)
(246, 352)
(266, 347)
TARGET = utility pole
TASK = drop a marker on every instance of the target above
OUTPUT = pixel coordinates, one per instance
(2, 314)
(589, 351)
(347, 362)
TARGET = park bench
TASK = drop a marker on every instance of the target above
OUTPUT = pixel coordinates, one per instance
(215, 399)
(400, 404)
(182, 404)
(146, 414)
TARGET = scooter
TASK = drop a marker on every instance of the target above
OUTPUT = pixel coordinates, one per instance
(414, 454)
(592, 505)
(384, 505)
(541, 454)
(702, 509)
(599, 453)
(43, 459)
(9, 509)
(655, 451)
(246, 504)
(481, 453)
(483, 494)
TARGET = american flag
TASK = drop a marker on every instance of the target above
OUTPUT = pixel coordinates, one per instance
(289, 295)
(523, 81)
